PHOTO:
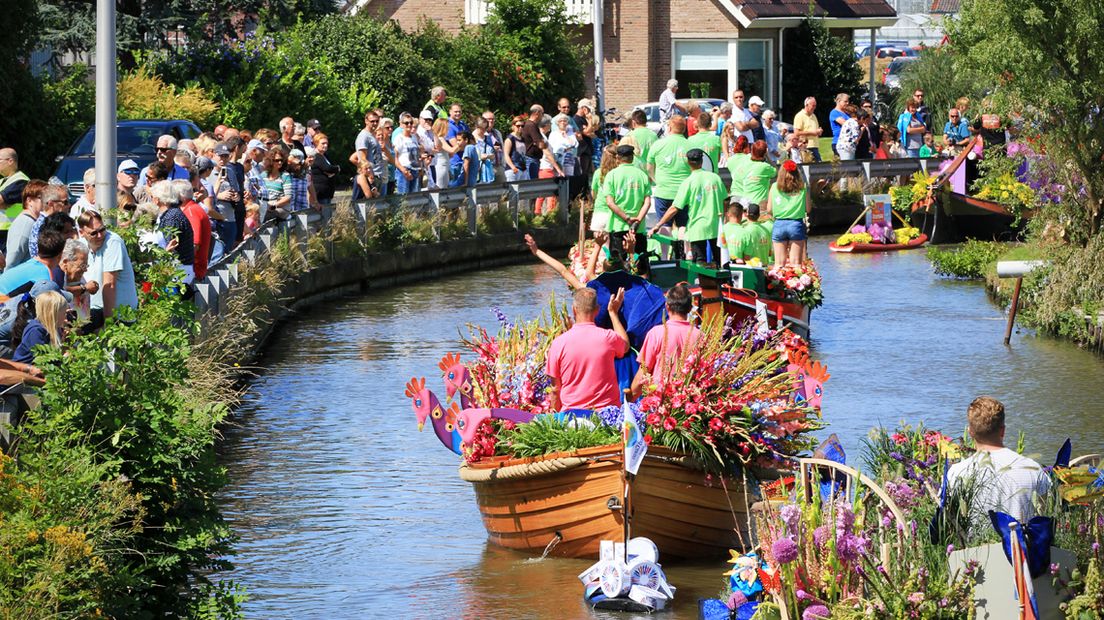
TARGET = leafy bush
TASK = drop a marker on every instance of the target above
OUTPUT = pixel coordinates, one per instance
(144, 95)
(966, 261)
(827, 68)
(546, 434)
(40, 118)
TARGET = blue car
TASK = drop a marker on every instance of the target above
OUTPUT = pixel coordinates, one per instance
(134, 140)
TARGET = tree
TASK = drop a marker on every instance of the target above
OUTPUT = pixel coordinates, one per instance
(1044, 57)
(817, 64)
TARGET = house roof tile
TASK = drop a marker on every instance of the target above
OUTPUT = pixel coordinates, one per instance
(756, 9)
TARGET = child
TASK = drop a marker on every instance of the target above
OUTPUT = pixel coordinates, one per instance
(252, 218)
(599, 219)
(732, 232)
(756, 246)
(928, 149)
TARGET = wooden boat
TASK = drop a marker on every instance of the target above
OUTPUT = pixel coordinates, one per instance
(742, 303)
(573, 499)
(864, 248)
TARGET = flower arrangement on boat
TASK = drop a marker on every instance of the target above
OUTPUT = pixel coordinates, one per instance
(877, 233)
(735, 398)
(825, 554)
(801, 282)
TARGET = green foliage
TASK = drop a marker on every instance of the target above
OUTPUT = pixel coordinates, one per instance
(495, 219)
(40, 118)
(1061, 296)
(264, 79)
(1045, 61)
(141, 95)
(818, 64)
(545, 435)
(968, 260)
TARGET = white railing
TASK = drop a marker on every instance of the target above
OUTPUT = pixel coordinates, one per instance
(475, 11)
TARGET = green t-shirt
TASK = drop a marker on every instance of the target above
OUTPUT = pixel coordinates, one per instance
(733, 237)
(736, 166)
(645, 138)
(756, 242)
(926, 151)
(710, 143)
(597, 190)
(787, 206)
(668, 155)
(629, 187)
(757, 180)
(702, 196)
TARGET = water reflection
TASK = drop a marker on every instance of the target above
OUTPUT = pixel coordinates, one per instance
(344, 509)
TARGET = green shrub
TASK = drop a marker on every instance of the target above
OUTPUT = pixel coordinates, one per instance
(967, 261)
(143, 95)
(41, 117)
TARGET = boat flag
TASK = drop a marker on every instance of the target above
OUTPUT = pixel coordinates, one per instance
(762, 326)
(635, 446)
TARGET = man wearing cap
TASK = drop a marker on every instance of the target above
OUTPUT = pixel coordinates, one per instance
(127, 176)
(313, 126)
(582, 113)
(227, 191)
(108, 264)
(166, 153)
(701, 197)
(755, 108)
(627, 189)
(255, 174)
(668, 168)
(755, 242)
(19, 279)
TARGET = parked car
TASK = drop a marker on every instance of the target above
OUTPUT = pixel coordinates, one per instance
(135, 140)
(652, 110)
(862, 51)
(892, 76)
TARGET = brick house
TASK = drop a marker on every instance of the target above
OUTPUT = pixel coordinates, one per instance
(715, 46)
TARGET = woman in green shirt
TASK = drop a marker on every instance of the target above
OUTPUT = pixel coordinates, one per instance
(758, 174)
(786, 201)
(600, 218)
(737, 163)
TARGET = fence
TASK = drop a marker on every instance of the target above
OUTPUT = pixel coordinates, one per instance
(212, 289)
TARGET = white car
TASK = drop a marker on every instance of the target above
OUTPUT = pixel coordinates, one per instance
(652, 110)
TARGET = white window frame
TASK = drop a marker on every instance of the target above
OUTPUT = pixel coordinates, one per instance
(734, 62)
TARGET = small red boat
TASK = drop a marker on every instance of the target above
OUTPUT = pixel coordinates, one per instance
(743, 304)
(864, 248)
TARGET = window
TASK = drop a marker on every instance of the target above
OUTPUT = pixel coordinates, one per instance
(752, 71)
(701, 67)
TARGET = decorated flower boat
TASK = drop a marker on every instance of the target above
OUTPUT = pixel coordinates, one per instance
(730, 414)
(878, 233)
(570, 501)
(856, 247)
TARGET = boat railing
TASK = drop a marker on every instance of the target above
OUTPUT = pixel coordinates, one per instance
(465, 203)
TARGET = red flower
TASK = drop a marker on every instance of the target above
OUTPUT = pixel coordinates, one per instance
(652, 419)
(716, 424)
(669, 423)
(648, 439)
(147, 287)
(686, 424)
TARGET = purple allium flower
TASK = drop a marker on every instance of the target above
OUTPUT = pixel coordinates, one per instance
(897, 456)
(851, 548)
(791, 516)
(736, 600)
(950, 548)
(784, 550)
(1054, 569)
(816, 612)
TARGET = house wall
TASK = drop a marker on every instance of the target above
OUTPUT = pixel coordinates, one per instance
(448, 15)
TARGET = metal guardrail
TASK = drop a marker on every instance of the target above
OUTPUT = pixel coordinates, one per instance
(868, 169)
(211, 291)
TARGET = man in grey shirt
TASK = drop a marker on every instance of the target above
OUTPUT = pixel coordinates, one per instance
(368, 150)
(19, 234)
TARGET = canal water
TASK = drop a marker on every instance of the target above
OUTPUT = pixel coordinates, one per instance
(345, 510)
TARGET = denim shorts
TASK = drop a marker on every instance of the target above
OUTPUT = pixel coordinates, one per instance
(660, 205)
(789, 230)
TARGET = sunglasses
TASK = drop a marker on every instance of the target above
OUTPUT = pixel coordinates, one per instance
(162, 149)
(96, 232)
(408, 122)
(277, 161)
(132, 173)
(270, 143)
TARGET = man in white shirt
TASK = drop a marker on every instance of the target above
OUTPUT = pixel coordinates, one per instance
(668, 105)
(742, 118)
(995, 477)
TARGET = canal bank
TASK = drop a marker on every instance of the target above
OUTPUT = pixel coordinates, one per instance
(340, 504)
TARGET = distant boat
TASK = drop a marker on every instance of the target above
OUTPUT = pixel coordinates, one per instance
(864, 248)
(568, 502)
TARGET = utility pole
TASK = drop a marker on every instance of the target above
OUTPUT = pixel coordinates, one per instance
(599, 85)
(106, 167)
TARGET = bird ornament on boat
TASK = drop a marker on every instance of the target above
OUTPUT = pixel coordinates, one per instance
(457, 379)
(809, 378)
(428, 406)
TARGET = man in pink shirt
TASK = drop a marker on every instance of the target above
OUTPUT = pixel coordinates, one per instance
(664, 344)
(580, 361)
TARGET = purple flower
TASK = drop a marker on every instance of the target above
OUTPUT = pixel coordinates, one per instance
(791, 516)
(736, 600)
(845, 519)
(815, 612)
(1096, 547)
(851, 548)
(950, 548)
(897, 456)
(1054, 569)
(784, 550)
(820, 536)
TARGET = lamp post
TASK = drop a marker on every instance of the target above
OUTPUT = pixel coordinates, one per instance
(105, 105)
(599, 85)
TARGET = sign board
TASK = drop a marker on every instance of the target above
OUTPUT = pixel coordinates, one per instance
(879, 209)
(991, 121)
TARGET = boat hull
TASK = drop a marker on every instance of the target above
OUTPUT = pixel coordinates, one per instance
(740, 303)
(867, 248)
(671, 504)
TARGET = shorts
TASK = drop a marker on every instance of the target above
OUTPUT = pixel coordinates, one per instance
(789, 230)
(599, 222)
(661, 206)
